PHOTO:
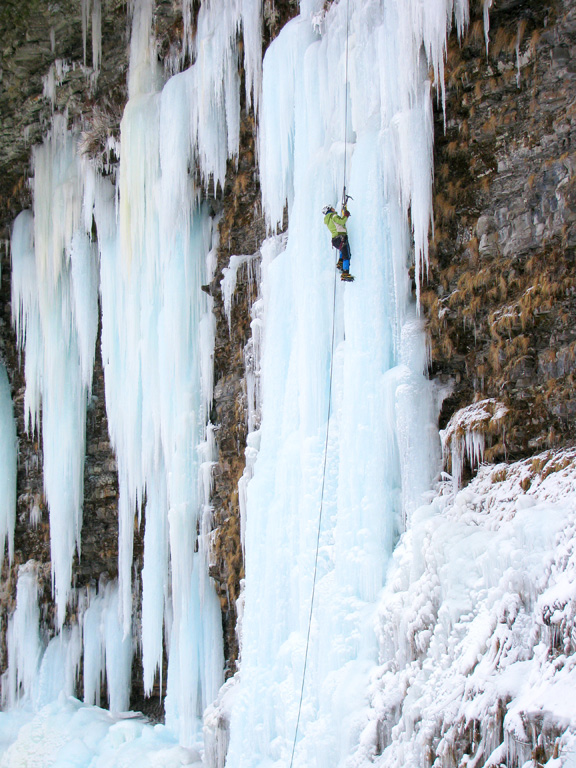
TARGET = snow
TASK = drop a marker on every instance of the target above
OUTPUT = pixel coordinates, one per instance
(467, 620)
(66, 734)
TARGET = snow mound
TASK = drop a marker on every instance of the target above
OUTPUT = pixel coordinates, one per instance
(476, 625)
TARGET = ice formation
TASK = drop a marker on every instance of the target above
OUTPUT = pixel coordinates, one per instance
(55, 311)
(155, 247)
(8, 466)
(91, 12)
(486, 12)
(378, 460)
(476, 625)
(392, 626)
(466, 432)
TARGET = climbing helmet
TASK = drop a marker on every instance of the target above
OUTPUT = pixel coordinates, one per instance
(327, 209)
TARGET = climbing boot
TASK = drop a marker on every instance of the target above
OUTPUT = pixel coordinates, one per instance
(340, 264)
(347, 277)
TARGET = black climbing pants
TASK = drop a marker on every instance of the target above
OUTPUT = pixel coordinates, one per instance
(341, 243)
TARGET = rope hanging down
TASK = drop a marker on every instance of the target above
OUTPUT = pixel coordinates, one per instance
(319, 525)
(344, 200)
(344, 195)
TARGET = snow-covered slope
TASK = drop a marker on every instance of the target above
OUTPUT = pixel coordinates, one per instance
(476, 624)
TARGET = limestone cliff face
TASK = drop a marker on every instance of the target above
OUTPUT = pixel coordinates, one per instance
(499, 300)
(501, 295)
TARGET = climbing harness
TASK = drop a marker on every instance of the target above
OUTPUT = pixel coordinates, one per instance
(345, 198)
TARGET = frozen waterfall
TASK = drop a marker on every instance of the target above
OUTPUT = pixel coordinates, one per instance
(341, 369)
(381, 446)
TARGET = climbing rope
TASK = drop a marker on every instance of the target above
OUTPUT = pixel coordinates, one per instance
(344, 200)
(319, 523)
(344, 196)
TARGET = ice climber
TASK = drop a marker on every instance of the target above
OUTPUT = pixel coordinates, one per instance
(337, 226)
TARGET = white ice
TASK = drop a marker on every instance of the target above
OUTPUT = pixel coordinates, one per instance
(8, 468)
(377, 420)
(55, 311)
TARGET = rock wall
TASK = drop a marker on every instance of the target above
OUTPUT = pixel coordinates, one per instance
(501, 291)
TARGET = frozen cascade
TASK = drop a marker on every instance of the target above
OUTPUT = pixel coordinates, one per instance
(55, 312)
(156, 246)
(382, 449)
(39, 671)
(152, 271)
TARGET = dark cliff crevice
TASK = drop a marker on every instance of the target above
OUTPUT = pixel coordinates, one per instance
(241, 231)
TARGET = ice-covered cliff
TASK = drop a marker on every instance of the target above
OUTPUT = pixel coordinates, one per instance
(380, 621)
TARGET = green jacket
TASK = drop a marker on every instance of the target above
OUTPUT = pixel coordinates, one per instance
(336, 224)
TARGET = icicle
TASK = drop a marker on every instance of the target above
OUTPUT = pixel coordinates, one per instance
(154, 582)
(85, 12)
(251, 15)
(8, 466)
(54, 296)
(94, 650)
(143, 71)
(228, 282)
(487, 4)
(84, 278)
(96, 35)
(23, 640)
(187, 33)
(118, 653)
(465, 434)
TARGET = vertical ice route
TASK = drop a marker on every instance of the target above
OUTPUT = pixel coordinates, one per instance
(321, 509)
(345, 133)
(380, 453)
(344, 201)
